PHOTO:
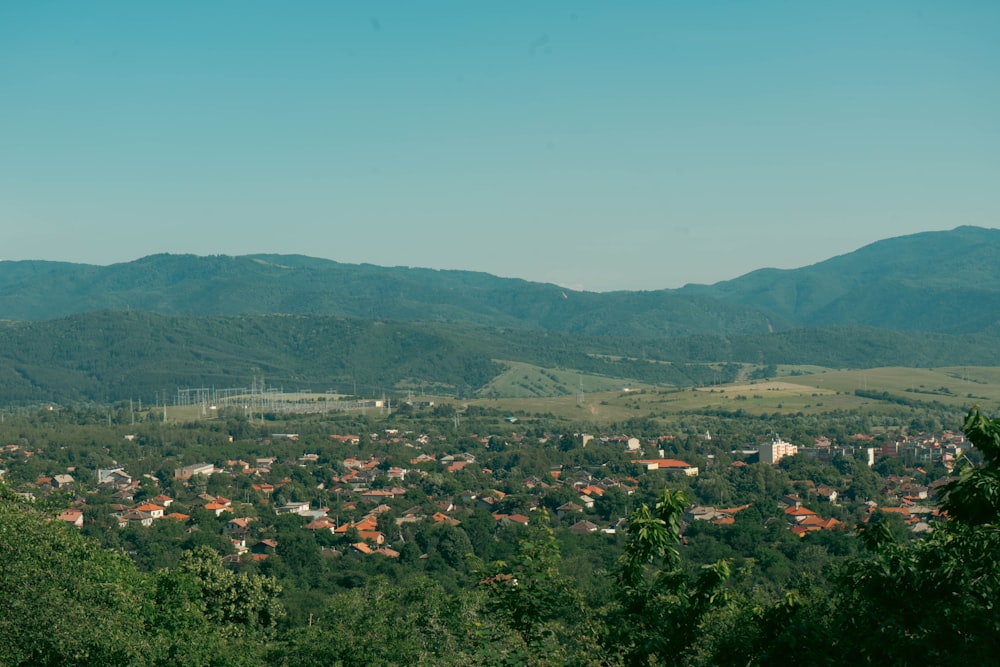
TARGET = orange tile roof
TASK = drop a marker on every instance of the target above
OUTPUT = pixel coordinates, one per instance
(733, 510)
(362, 547)
(366, 524)
(149, 507)
(799, 511)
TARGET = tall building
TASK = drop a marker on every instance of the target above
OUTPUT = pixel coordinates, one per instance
(777, 449)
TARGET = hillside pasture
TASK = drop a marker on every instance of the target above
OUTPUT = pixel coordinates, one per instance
(523, 380)
(958, 386)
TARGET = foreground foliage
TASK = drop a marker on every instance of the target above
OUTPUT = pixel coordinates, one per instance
(68, 602)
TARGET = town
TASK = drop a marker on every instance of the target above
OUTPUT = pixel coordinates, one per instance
(370, 494)
(332, 506)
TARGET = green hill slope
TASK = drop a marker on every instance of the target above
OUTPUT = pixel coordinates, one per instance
(934, 281)
(270, 284)
(923, 282)
(113, 355)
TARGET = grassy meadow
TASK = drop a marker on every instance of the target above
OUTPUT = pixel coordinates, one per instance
(805, 389)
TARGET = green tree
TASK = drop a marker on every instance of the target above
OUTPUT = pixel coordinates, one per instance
(244, 601)
(414, 622)
(65, 601)
(544, 607)
(612, 505)
(660, 608)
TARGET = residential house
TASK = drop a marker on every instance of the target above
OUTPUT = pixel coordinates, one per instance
(240, 526)
(629, 443)
(113, 477)
(322, 523)
(799, 514)
(700, 513)
(362, 548)
(72, 517)
(583, 528)
(373, 536)
(62, 481)
(518, 519)
(126, 494)
(264, 547)
(438, 517)
(568, 508)
(152, 509)
(293, 508)
(827, 492)
(187, 472)
(670, 465)
(217, 508)
(135, 518)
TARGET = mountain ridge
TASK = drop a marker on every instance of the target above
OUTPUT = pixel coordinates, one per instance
(947, 282)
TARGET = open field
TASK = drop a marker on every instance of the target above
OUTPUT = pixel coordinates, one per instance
(960, 386)
(814, 393)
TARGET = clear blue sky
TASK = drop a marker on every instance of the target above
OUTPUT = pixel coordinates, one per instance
(598, 145)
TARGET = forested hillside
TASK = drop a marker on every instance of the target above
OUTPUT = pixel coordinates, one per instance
(289, 284)
(117, 355)
(921, 282)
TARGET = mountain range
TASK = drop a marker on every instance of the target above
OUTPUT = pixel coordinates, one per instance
(84, 332)
(946, 282)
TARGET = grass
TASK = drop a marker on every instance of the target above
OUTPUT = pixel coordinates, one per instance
(522, 380)
(810, 390)
(959, 386)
